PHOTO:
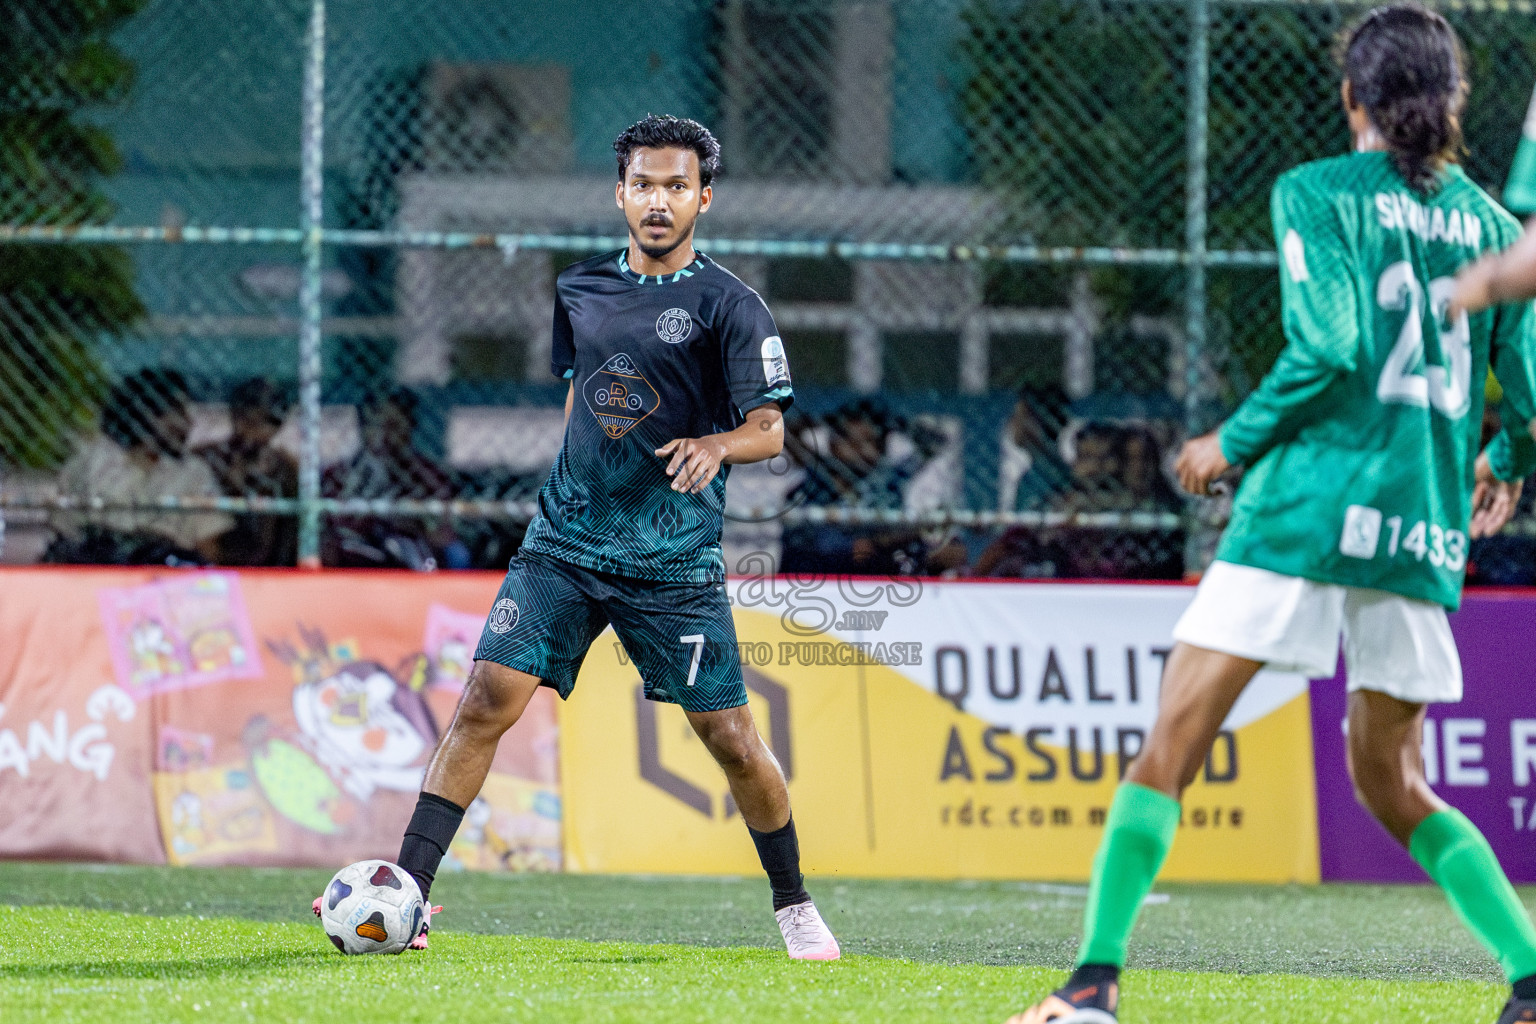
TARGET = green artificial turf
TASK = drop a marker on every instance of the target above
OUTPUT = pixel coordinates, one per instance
(1386, 932)
(129, 943)
(69, 964)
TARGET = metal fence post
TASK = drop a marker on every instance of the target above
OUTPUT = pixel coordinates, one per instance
(1197, 146)
(312, 216)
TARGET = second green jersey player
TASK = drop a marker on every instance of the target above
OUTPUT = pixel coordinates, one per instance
(1509, 276)
(1364, 486)
(1520, 192)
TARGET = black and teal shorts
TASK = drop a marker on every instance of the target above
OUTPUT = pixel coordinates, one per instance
(679, 636)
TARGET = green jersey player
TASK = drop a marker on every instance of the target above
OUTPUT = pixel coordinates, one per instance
(1359, 498)
(1511, 275)
(1520, 191)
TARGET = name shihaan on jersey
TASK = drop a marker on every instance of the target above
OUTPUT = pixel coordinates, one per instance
(1400, 211)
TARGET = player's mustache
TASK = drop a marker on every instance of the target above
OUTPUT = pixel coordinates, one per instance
(659, 219)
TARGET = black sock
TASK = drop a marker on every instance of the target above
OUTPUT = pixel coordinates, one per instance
(1093, 974)
(1525, 988)
(427, 838)
(780, 853)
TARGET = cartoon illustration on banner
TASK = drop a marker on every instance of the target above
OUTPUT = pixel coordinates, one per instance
(181, 631)
(321, 759)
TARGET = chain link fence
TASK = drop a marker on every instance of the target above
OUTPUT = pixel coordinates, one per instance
(276, 275)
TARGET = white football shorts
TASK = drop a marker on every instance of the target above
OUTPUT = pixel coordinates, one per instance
(1392, 644)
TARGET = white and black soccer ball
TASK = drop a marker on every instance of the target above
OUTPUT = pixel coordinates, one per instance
(372, 906)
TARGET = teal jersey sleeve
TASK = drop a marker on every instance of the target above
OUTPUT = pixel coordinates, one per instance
(1320, 316)
(1520, 191)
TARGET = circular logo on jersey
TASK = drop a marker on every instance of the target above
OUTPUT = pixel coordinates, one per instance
(674, 326)
(503, 616)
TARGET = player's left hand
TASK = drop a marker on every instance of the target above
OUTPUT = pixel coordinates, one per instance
(1200, 463)
(1493, 500)
(694, 462)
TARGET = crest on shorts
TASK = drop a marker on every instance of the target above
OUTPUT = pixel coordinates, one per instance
(619, 396)
(504, 616)
(674, 326)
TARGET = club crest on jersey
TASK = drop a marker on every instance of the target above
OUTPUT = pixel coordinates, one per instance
(674, 326)
(504, 616)
(619, 396)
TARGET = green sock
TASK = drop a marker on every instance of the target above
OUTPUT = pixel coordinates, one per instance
(1455, 854)
(1137, 836)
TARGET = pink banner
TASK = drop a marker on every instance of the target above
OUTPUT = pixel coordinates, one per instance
(265, 717)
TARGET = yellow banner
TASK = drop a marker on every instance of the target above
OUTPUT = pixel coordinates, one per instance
(888, 779)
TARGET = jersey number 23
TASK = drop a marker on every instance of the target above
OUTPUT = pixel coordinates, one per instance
(1406, 379)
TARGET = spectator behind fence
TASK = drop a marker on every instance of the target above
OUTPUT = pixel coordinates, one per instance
(249, 465)
(388, 465)
(856, 470)
(1114, 469)
(1031, 472)
(1119, 469)
(141, 456)
(1031, 477)
(1050, 485)
(1145, 485)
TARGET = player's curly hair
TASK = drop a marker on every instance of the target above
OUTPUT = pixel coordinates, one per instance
(1406, 66)
(662, 131)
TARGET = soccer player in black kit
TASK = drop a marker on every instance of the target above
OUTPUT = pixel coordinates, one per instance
(677, 372)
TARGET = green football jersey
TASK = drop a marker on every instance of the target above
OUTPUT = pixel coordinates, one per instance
(1520, 192)
(1361, 440)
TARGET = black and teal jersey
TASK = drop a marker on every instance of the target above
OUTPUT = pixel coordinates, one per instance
(651, 359)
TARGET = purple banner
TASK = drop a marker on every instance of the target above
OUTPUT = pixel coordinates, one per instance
(1480, 754)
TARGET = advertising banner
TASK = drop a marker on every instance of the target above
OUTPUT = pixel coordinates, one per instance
(943, 730)
(251, 718)
(929, 729)
(76, 747)
(1479, 755)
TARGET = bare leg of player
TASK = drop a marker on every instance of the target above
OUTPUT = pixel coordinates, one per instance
(1386, 762)
(757, 784)
(493, 700)
(756, 780)
(1198, 692)
(1199, 689)
(1387, 766)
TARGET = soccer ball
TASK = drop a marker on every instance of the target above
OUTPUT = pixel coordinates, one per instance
(372, 906)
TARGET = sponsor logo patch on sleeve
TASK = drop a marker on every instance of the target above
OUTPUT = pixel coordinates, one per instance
(775, 364)
(1296, 257)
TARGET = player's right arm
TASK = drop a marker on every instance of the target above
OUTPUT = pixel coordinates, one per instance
(1509, 276)
(1321, 320)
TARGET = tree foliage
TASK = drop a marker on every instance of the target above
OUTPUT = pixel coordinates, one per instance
(1075, 112)
(57, 301)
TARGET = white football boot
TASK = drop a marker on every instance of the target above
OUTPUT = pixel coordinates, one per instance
(806, 935)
